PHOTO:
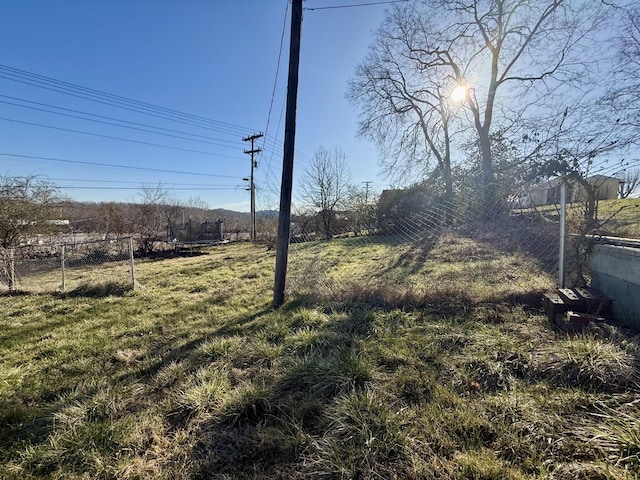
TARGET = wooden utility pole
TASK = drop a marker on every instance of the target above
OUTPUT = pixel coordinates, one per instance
(252, 185)
(367, 184)
(284, 216)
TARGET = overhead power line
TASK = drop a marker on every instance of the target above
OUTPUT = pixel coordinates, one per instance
(270, 143)
(355, 5)
(275, 81)
(85, 187)
(171, 184)
(118, 138)
(111, 165)
(233, 144)
(41, 81)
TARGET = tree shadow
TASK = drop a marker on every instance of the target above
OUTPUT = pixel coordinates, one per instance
(531, 235)
(99, 290)
(238, 441)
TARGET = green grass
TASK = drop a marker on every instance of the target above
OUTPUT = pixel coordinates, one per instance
(387, 361)
(625, 217)
(621, 218)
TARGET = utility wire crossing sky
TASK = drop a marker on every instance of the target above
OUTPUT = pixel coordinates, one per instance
(104, 98)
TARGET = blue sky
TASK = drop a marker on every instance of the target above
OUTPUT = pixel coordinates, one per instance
(215, 59)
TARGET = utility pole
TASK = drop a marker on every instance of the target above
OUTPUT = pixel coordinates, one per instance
(252, 185)
(284, 216)
(367, 183)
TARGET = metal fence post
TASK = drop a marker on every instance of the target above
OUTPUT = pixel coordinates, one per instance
(133, 270)
(563, 231)
(63, 255)
(12, 270)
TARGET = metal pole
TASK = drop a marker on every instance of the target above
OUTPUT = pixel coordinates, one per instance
(284, 217)
(12, 269)
(563, 231)
(133, 270)
(63, 254)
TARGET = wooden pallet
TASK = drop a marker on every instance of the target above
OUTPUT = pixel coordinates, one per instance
(575, 308)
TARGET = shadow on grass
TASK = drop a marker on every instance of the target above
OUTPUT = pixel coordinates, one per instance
(99, 290)
(527, 234)
(15, 293)
(250, 437)
(173, 254)
(185, 351)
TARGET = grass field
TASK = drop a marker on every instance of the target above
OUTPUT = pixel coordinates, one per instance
(620, 218)
(388, 361)
(625, 217)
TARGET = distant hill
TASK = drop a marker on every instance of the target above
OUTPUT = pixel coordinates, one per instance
(267, 214)
(92, 216)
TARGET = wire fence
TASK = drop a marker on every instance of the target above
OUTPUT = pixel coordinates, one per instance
(68, 266)
(407, 244)
(503, 249)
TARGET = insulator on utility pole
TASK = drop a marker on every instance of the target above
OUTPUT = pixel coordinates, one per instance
(252, 185)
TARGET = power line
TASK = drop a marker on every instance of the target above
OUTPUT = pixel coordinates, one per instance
(355, 5)
(114, 100)
(133, 105)
(271, 144)
(172, 184)
(111, 165)
(84, 187)
(122, 106)
(115, 124)
(117, 138)
(234, 144)
(275, 81)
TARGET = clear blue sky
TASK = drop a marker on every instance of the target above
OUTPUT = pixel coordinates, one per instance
(210, 58)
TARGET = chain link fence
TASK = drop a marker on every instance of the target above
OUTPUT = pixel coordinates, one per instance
(68, 266)
(417, 246)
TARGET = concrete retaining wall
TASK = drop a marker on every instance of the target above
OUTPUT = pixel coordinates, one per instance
(615, 271)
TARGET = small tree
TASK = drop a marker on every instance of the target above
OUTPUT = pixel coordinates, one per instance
(111, 219)
(26, 208)
(153, 215)
(402, 209)
(361, 206)
(630, 182)
(325, 185)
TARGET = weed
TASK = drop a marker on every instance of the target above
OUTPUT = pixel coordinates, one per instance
(619, 435)
(363, 439)
(248, 403)
(208, 392)
(588, 361)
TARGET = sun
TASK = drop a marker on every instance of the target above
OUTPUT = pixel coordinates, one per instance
(459, 93)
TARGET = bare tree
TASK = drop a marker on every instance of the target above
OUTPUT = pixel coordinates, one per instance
(154, 215)
(405, 110)
(629, 183)
(361, 205)
(508, 55)
(578, 148)
(624, 96)
(112, 219)
(325, 185)
(26, 207)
